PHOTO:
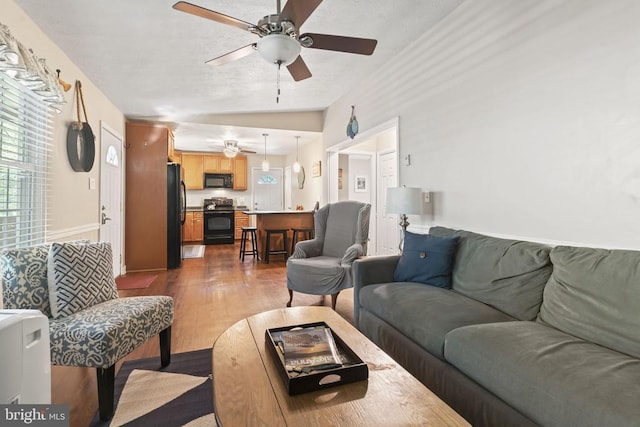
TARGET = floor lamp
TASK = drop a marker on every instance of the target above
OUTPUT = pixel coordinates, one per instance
(404, 201)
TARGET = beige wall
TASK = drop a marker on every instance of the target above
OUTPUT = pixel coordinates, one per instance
(74, 208)
(308, 154)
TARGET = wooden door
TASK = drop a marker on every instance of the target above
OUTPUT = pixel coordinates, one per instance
(226, 164)
(146, 197)
(198, 226)
(241, 220)
(187, 227)
(193, 171)
(240, 173)
(211, 164)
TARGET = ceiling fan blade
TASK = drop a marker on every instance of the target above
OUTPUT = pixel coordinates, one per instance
(298, 69)
(297, 11)
(242, 150)
(233, 55)
(340, 43)
(186, 7)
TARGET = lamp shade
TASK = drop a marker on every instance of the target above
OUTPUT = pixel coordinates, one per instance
(279, 48)
(404, 200)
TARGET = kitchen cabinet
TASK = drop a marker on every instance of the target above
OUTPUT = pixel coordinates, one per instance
(215, 163)
(241, 220)
(193, 228)
(240, 173)
(197, 164)
(172, 154)
(145, 242)
(193, 171)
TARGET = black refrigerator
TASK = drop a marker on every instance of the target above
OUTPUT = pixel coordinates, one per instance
(176, 209)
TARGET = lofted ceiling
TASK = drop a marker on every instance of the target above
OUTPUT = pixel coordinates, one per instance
(149, 60)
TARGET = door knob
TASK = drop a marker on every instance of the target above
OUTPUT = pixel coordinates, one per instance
(105, 218)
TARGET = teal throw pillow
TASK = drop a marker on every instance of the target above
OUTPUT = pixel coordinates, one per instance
(426, 259)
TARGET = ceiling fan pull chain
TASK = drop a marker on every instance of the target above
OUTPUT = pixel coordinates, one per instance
(278, 84)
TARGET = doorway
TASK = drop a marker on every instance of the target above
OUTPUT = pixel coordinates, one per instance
(268, 189)
(380, 145)
(111, 193)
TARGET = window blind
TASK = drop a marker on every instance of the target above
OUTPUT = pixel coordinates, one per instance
(25, 145)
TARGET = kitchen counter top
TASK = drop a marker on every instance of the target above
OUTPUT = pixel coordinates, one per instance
(281, 219)
(278, 212)
(201, 209)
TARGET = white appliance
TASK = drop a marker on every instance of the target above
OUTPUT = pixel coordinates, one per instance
(25, 361)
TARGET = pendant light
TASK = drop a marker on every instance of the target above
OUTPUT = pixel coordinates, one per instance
(296, 165)
(265, 162)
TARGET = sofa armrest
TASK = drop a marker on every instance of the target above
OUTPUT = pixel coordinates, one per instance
(369, 271)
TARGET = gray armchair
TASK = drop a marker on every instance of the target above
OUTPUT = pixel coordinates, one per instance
(322, 266)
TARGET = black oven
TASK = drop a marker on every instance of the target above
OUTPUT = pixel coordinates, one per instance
(219, 223)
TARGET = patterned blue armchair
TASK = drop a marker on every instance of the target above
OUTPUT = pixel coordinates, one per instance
(89, 325)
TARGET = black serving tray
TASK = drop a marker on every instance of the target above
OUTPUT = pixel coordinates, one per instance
(353, 368)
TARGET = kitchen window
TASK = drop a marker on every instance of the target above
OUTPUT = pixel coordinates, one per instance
(25, 141)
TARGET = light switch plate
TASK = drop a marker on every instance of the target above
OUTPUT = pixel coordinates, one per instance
(92, 183)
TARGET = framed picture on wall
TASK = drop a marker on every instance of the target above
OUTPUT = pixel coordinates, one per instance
(361, 184)
(316, 169)
(340, 179)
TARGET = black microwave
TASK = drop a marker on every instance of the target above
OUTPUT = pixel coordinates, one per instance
(218, 180)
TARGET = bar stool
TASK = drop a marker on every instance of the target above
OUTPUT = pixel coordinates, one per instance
(278, 251)
(248, 232)
(309, 233)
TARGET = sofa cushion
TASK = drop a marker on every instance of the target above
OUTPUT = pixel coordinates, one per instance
(104, 333)
(24, 278)
(551, 377)
(509, 275)
(425, 313)
(426, 259)
(595, 294)
(79, 275)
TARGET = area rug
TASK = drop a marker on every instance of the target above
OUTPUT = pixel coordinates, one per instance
(135, 281)
(193, 251)
(179, 395)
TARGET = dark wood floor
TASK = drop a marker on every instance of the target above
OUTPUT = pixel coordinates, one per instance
(210, 294)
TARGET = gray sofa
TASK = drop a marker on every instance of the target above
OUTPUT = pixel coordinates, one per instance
(526, 335)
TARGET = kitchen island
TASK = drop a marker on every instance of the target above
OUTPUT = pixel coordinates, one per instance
(279, 220)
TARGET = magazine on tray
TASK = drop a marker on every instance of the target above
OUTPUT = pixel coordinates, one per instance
(308, 349)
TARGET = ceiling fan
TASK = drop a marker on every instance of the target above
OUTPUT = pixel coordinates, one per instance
(280, 39)
(230, 148)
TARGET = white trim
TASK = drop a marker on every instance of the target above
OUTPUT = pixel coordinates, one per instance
(53, 236)
(424, 229)
(390, 124)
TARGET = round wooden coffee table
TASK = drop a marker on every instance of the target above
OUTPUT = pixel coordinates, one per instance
(248, 389)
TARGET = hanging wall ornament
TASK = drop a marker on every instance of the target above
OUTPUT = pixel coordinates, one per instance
(81, 147)
(352, 127)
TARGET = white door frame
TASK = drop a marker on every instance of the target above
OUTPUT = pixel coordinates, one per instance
(331, 178)
(113, 201)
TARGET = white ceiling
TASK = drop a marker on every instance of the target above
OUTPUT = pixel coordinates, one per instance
(149, 60)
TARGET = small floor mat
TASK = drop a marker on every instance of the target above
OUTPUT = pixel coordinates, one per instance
(193, 251)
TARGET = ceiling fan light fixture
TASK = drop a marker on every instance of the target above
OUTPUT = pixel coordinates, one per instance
(230, 152)
(279, 48)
